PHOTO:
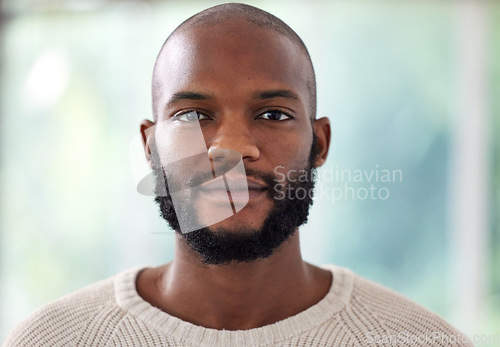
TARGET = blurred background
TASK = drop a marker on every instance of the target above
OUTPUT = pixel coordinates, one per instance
(411, 89)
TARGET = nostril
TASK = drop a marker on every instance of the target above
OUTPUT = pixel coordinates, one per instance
(217, 153)
(238, 143)
(224, 154)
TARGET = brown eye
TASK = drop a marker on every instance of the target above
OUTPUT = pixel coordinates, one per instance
(191, 116)
(274, 115)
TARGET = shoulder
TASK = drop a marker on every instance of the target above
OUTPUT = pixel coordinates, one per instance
(386, 315)
(63, 322)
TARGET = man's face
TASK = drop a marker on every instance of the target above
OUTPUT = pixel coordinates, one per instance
(249, 87)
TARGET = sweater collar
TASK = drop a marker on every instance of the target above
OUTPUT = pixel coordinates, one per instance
(165, 324)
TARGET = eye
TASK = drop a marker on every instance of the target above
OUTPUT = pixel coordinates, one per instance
(274, 115)
(190, 116)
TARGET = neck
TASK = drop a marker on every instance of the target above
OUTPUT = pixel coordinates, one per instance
(238, 295)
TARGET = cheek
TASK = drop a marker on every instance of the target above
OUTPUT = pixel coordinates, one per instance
(175, 144)
(183, 154)
(287, 153)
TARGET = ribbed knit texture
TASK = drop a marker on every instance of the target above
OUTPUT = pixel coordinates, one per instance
(355, 312)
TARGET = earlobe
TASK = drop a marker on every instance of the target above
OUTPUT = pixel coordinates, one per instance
(147, 136)
(322, 130)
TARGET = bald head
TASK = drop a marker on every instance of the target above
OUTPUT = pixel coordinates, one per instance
(251, 17)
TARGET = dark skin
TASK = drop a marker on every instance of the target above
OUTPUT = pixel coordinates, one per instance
(238, 69)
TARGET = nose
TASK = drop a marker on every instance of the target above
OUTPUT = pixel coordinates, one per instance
(236, 136)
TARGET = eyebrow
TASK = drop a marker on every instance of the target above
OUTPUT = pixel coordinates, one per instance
(179, 96)
(277, 93)
(268, 94)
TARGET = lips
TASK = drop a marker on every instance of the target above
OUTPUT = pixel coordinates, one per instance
(233, 184)
(241, 191)
(252, 184)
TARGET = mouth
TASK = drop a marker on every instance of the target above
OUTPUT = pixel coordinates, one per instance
(238, 191)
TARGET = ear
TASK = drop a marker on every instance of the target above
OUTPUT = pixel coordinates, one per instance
(321, 128)
(147, 134)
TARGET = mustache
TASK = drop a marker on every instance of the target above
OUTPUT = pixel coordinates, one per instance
(188, 173)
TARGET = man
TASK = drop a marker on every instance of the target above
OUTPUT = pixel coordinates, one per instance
(230, 80)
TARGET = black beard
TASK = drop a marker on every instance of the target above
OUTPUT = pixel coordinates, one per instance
(221, 246)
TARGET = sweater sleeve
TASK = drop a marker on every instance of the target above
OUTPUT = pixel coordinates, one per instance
(63, 322)
(402, 321)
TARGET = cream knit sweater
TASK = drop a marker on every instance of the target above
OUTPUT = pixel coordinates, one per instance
(355, 312)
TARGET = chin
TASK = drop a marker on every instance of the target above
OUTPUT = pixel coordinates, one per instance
(239, 221)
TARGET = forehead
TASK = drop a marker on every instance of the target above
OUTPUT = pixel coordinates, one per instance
(231, 57)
